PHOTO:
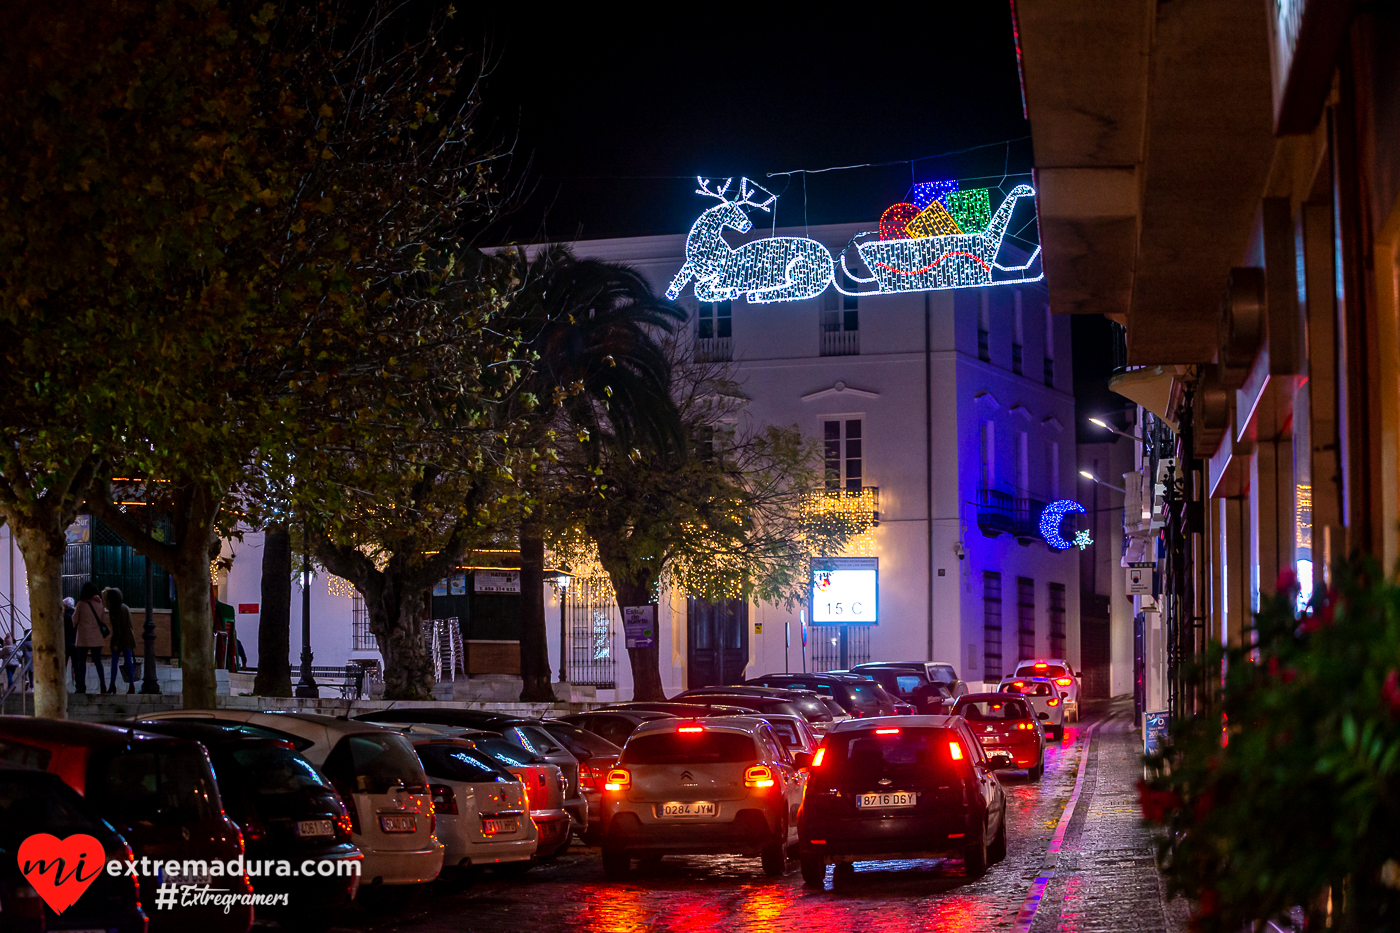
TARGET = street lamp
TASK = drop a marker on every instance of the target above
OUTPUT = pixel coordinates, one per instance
(1094, 479)
(561, 580)
(307, 686)
(1108, 427)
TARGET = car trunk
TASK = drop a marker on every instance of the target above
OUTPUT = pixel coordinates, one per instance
(864, 774)
(477, 803)
(685, 782)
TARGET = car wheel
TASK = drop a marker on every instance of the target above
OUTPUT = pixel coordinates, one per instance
(774, 855)
(975, 859)
(997, 850)
(813, 870)
(1035, 773)
(843, 875)
(616, 864)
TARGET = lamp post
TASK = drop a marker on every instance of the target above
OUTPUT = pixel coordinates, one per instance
(1108, 427)
(561, 582)
(306, 687)
(149, 684)
(1094, 479)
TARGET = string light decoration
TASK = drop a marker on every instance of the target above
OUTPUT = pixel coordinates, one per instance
(1082, 539)
(972, 210)
(856, 512)
(965, 260)
(894, 222)
(1050, 520)
(926, 192)
(933, 220)
(339, 586)
(768, 270)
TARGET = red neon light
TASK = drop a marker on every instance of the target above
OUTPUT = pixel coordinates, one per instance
(956, 252)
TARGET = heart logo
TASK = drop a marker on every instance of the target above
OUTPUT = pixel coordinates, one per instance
(60, 870)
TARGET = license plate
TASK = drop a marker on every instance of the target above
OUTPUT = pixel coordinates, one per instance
(315, 828)
(695, 808)
(398, 824)
(897, 798)
(490, 827)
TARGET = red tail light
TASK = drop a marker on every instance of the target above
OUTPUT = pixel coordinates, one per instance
(1053, 701)
(1063, 681)
(690, 730)
(588, 776)
(819, 757)
(351, 809)
(887, 732)
(444, 799)
(758, 776)
(253, 829)
(955, 750)
(619, 779)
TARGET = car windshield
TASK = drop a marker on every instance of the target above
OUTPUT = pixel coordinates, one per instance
(170, 784)
(1040, 670)
(458, 763)
(374, 763)
(900, 753)
(273, 769)
(507, 753)
(683, 748)
(975, 710)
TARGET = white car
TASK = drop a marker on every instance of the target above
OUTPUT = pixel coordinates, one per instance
(1044, 698)
(482, 811)
(379, 777)
(1065, 677)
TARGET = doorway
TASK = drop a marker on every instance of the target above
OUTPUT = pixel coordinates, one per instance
(718, 642)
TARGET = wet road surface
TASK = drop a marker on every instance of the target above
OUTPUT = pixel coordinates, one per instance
(1075, 862)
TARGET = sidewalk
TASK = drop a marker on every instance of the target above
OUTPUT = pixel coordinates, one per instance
(1106, 878)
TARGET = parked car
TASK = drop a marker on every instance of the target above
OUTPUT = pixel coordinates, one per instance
(596, 757)
(286, 809)
(794, 732)
(377, 775)
(1066, 680)
(156, 791)
(523, 732)
(613, 723)
(482, 809)
(1044, 699)
(921, 684)
(544, 782)
(808, 703)
(1003, 723)
(859, 696)
(902, 787)
(695, 786)
(37, 802)
(683, 710)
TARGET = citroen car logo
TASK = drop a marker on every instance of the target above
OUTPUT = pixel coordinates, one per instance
(686, 776)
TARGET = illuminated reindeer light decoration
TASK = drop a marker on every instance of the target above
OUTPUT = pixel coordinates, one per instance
(767, 270)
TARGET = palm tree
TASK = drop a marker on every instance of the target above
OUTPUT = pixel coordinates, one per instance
(602, 371)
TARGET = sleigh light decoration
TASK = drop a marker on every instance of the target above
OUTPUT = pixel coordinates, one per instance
(940, 238)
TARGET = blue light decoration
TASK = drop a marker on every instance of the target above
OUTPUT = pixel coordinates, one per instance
(941, 238)
(1051, 518)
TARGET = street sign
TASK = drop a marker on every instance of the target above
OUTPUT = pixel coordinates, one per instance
(247, 609)
(639, 626)
(1140, 580)
(845, 590)
(1154, 732)
(491, 581)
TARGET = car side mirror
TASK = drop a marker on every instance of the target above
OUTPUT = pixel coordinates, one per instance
(1000, 761)
(1064, 694)
(1078, 674)
(802, 760)
(1044, 717)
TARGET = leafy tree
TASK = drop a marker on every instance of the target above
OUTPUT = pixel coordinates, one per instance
(725, 519)
(1284, 790)
(600, 368)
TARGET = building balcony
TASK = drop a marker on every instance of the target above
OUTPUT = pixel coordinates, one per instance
(1001, 513)
(840, 343)
(714, 349)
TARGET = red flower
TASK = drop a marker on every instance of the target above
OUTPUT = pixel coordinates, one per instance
(1287, 581)
(1390, 692)
(1156, 804)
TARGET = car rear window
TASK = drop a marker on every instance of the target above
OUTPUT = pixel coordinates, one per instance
(272, 769)
(977, 710)
(786, 730)
(29, 806)
(1031, 670)
(373, 763)
(507, 753)
(812, 708)
(19, 755)
(581, 743)
(455, 763)
(1029, 690)
(164, 785)
(906, 753)
(682, 748)
(862, 696)
(945, 672)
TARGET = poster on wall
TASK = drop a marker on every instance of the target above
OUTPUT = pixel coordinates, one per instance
(494, 581)
(639, 626)
(845, 590)
(457, 584)
(440, 587)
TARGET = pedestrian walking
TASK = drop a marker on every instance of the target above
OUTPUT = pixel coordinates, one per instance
(70, 632)
(9, 652)
(87, 642)
(123, 639)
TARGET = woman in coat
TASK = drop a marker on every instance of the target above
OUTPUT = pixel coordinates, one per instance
(123, 638)
(88, 623)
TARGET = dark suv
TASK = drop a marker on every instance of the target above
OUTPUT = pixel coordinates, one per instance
(858, 695)
(899, 788)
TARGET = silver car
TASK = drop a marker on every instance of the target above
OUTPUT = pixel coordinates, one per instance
(717, 785)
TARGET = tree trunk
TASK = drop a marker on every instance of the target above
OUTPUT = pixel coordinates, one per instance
(534, 637)
(646, 662)
(199, 686)
(43, 563)
(275, 623)
(408, 671)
